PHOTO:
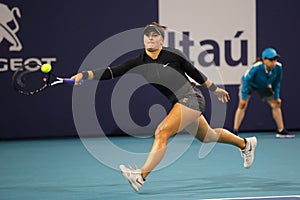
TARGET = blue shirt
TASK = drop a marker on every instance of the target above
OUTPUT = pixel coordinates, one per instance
(258, 78)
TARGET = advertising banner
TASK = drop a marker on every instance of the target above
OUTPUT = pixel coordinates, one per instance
(219, 37)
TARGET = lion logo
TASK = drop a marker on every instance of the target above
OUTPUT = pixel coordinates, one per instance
(8, 20)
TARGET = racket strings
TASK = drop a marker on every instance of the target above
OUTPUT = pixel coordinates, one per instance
(30, 82)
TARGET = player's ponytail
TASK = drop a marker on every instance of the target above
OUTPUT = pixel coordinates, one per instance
(158, 25)
(259, 59)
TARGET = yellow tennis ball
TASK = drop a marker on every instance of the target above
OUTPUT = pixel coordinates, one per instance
(46, 68)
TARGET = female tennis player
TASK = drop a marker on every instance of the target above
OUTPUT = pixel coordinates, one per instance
(264, 77)
(166, 69)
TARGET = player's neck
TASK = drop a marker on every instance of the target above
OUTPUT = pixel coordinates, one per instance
(153, 53)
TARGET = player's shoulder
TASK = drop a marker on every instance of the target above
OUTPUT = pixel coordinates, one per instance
(257, 66)
(279, 64)
(170, 50)
(137, 59)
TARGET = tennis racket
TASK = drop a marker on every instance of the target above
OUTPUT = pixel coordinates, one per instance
(30, 80)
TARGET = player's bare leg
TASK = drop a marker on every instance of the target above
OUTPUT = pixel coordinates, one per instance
(179, 117)
(203, 132)
(239, 115)
(277, 114)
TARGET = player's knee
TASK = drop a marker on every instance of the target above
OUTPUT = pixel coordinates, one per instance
(211, 135)
(242, 105)
(162, 133)
(275, 104)
(161, 137)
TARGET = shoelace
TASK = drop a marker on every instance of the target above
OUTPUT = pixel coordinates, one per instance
(133, 170)
(246, 155)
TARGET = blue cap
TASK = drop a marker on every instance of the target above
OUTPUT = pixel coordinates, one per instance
(269, 53)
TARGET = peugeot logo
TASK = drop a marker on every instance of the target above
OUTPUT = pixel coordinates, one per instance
(8, 20)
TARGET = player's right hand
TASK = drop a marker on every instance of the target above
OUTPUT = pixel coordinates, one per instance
(77, 78)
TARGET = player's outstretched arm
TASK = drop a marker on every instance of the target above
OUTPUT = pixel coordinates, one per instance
(82, 76)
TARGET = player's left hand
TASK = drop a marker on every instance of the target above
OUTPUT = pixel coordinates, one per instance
(222, 95)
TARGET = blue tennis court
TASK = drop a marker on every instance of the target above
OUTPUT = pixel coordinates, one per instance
(64, 169)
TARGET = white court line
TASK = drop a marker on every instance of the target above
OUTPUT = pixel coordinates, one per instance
(266, 197)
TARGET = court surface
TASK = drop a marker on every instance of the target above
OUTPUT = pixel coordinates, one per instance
(64, 169)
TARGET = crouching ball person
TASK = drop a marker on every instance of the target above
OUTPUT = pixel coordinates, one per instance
(159, 64)
(264, 77)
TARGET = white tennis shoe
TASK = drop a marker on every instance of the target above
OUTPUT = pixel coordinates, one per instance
(248, 152)
(133, 176)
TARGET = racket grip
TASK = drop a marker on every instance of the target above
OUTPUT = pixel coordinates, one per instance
(71, 81)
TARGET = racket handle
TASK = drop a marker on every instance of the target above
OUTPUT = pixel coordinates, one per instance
(71, 81)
